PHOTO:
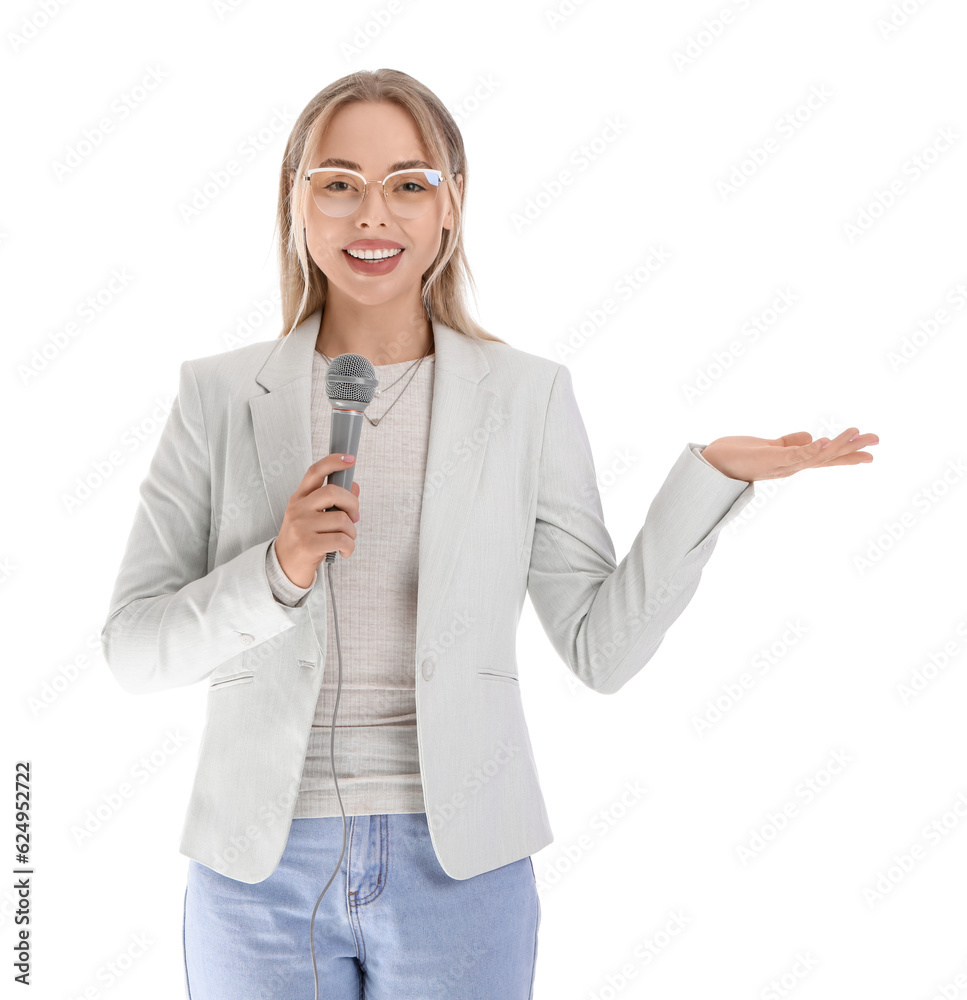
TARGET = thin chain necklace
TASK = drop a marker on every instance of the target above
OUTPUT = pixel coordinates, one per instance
(416, 364)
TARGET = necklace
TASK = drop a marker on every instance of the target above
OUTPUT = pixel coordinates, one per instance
(416, 364)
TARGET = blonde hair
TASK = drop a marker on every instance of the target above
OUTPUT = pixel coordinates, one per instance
(444, 286)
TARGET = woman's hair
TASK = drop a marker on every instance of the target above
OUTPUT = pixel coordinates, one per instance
(445, 283)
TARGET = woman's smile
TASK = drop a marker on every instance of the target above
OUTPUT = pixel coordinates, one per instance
(373, 256)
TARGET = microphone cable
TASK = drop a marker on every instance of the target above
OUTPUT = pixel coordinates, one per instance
(332, 736)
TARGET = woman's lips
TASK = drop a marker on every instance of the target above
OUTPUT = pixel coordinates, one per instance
(383, 266)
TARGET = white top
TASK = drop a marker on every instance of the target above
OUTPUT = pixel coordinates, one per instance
(375, 589)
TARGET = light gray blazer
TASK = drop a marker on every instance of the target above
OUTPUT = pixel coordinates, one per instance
(510, 506)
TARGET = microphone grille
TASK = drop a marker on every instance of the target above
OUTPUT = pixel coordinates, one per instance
(351, 378)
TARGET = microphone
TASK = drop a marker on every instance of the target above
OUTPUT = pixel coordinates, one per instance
(350, 385)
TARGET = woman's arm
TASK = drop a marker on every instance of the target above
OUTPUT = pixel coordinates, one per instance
(169, 623)
(606, 620)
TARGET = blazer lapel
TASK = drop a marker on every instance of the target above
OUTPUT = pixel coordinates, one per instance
(458, 440)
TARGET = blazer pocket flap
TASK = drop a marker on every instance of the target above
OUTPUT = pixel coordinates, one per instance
(501, 675)
(238, 677)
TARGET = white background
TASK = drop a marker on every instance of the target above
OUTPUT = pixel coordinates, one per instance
(696, 96)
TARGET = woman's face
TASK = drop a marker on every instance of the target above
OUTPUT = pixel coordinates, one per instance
(373, 137)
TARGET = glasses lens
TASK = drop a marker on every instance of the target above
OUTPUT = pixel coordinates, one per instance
(336, 193)
(411, 193)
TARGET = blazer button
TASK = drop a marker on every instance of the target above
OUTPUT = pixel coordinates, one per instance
(247, 640)
(427, 668)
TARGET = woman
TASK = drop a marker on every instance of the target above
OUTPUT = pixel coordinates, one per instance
(479, 487)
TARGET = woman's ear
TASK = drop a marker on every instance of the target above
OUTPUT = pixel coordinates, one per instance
(448, 218)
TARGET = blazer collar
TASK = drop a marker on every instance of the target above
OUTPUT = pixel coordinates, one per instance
(463, 408)
(455, 353)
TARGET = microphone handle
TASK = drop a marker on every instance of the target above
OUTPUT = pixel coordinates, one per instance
(344, 431)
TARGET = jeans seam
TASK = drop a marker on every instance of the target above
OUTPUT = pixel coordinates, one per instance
(383, 820)
(184, 952)
(537, 925)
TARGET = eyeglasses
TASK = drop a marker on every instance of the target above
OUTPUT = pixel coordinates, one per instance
(407, 193)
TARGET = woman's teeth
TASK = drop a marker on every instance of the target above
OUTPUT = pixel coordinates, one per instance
(374, 254)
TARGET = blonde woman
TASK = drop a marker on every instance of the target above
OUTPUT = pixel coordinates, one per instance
(413, 876)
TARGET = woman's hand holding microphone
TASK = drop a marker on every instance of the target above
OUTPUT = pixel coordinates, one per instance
(309, 531)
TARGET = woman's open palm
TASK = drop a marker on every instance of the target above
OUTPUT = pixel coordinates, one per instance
(752, 458)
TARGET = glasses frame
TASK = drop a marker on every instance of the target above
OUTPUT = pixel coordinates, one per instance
(382, 185)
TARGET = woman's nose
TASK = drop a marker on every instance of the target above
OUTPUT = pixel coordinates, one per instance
(372, 209)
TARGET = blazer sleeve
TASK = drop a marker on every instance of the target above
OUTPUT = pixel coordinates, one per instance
(606, 620)
(283, 589)
(170, 621)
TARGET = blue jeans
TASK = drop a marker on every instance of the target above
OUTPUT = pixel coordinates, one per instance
(391, 926)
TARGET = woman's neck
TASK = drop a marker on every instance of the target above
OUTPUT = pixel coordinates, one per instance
(383, 337)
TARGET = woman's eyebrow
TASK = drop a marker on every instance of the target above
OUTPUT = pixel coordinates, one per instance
(335, 161)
